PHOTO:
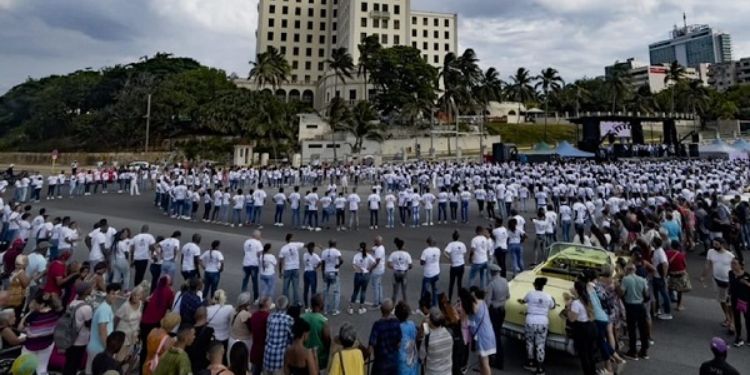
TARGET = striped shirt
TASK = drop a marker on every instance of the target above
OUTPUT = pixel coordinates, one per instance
(439, 352)
(39, 329)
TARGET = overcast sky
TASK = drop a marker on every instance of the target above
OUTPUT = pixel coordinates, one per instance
(577, 37)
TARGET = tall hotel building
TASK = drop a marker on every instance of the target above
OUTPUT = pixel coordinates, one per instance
(306, 31)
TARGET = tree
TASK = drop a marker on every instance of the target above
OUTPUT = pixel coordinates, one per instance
(618, 85)
(400, 76)
(367, 50)
(489, 88)
(675, 75)
(269, 119)
(520, 89)
(270, 67)
(342, 65)
(643, 100)
(548, 81)
(337, 116)
(362, 124)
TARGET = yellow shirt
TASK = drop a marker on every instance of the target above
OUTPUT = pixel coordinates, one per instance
(354, 362)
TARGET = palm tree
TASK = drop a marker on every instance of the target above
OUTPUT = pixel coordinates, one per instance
(696, 98)
(362, 124)
(520, 89)
(269, 118)
(643, 100)
(342, 65)
(270, 67)
(618, 84)
(488, 89)
(337, 115)
(577, 94)
(367, 49)
(548, 81)
(675, 75)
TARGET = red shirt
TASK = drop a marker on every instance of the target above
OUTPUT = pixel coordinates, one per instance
(258, 323)
(676, 261)
(158, 305)
(55, 270)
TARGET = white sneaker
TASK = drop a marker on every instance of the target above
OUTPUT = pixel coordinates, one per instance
(281, 224)
(318, 229)
(336, 312)
(362, 310)
(665, 317)
(351, 311)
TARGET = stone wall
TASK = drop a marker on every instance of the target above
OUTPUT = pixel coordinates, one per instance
(83, 158)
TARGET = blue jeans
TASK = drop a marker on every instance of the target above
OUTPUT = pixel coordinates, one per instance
(516, 259)
(291, 280)
(566, 231)
(464, 211)
(389, 214)
(431, 282)
(295, 217)
(251, 272)
(661, 294)
(313, 218)
(212, 283)
(415, 216)
(267, 284)
(481, 270)
(376, 279)
(373, 217)
(360, 287)
(310, 285)
(168, 267)
(279, 214)
(236, 216)
(249, 210)
(333, 292)
(442, 212)
(257, 212)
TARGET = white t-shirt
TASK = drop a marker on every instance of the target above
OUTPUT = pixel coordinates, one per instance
(212, 260)
(353, 200)
(390, 201)
(189, 252)
(97, 241)
(141, 244)
(538, 306)
(252, 248)
(577, 308)
(169, 248)
(267, 264)
(456, 250)
(378, 252)
(431, 258)
(501, 238)
(722, 264)
(331, 258)
(660, 257)
(374, 201)
(311, 261)
(290, 254)
(479, 246)
(361, 263)
(123, 248)
(259, 197)
(540, 226)
(312, 201)
(400, 260)
(220, 319)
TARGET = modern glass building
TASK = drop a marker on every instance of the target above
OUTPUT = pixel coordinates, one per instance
(691, 46)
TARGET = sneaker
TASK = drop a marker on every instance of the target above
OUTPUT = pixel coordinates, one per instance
(540, 371)
(336, 312)
(530, 366)
(665, 317)
(362, 310)
(631, 356)
(351, 311)
(738, 343)
(643, 356)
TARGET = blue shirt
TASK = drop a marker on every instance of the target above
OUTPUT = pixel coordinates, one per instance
(385, 338)
(278, 338)
(673, 230)
(408, 363)
(102, 315)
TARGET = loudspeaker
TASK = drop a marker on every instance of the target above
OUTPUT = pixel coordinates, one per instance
(670, 132)
(504, 152)
(693, 150)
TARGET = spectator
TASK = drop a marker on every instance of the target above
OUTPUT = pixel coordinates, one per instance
(106, 361)
(239, 330)
(278, 336)
(215, 356)
(408, 361)
(102, 324)
(239, 359)
(39, 325)
(220, 318)
(498, 295)
(189, 301)
(349, 360)
(739, 291)
(259, 329)
(176, 361)
(83, 315)
(385, 338)
(298, 359)
(319, 337)
(159, 341)
(204, 336)
(718, 365)
(438, 344)
(634, 290)
(128, 318)
(538, 305)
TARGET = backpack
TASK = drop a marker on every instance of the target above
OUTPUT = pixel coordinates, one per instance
(66, 329)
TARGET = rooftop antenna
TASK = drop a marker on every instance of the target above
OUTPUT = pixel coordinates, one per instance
(684, 19)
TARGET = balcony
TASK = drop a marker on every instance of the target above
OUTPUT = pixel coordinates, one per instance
(377, 14)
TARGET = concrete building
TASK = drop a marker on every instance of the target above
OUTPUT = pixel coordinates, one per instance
(729, 74)
(306, 31)
(642, 74)
(692, 45)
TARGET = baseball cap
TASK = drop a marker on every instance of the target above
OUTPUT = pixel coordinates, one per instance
(719, 345)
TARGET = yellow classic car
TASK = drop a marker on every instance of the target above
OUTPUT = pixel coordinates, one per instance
(565, 262)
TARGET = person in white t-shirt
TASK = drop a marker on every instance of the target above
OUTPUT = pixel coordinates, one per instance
(143, 245)
(373, 202)
(97, 248)
(538, 306)
(400, 262)
(312, 263)
(566, 220)
(259, 199)
(659, 282)
(353, 200)
(430, 260)
(294, 204)
(169, 249)
(455, 251)
(332, 261)
(212, 261)
(252, 248)
(540, 236)
(189, 255)
(500, 233)
(267, 272)
(238, 202)
(340, 204)
(363, 264)
(311, 215)
(123, 255)
(428, 199)
(390, 209)
(481, 247)
(289, 255)
(376, 278)
(280, 200)
(719, 263)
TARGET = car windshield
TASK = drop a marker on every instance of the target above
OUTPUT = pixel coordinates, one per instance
(570, 260)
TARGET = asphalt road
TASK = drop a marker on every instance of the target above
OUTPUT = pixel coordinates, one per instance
(681, 344)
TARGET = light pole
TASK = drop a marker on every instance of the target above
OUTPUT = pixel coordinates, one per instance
(432, 133)
(148, 121)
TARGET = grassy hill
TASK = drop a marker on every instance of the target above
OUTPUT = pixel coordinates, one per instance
(526, 135)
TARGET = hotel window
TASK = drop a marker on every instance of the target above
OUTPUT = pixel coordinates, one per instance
(335, 13)
(321, 52)
(284, 23)
(307, 78)
(309, 38)
(322, 26)
(435, 59)
(283, 50)
(424, 57)
(294, 78)
(270, 22)
(283, 37)
(352, 94)
(364, 7)
(376, 7)
(295, 64)
(436, 22)
(447, 47)
(385, 7)
(396, 39)
(297, 11)
(385, 24)
(397, 9)
(435, 34)
(285, 10)
(376, 23)
(322, 39)
(323, 13)
(424, 33)
(362, 37)
(414, 33)
(424, 46)
(414, 20)
(296, 38)
(436, 47)
(413, 44)
(384, 39)
(364, 22)
(310, 12)
(447, 23)
(296, 24)
(447, 35)
(424, 21)
(295, 51)
(397, 25)
(334, 28)
(333, 39)
(272, 9)
(270, 35)
(320, 66)
(308, 52)
(309, 25)
(308, 65)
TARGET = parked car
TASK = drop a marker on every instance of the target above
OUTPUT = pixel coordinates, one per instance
(139, 165)
(566, 261)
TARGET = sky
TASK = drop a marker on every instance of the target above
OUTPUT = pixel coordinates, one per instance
(576, 37)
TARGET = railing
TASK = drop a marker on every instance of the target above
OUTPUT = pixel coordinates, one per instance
(380, 14)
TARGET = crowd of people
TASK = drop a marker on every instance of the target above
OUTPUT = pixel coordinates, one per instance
(98, 316)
